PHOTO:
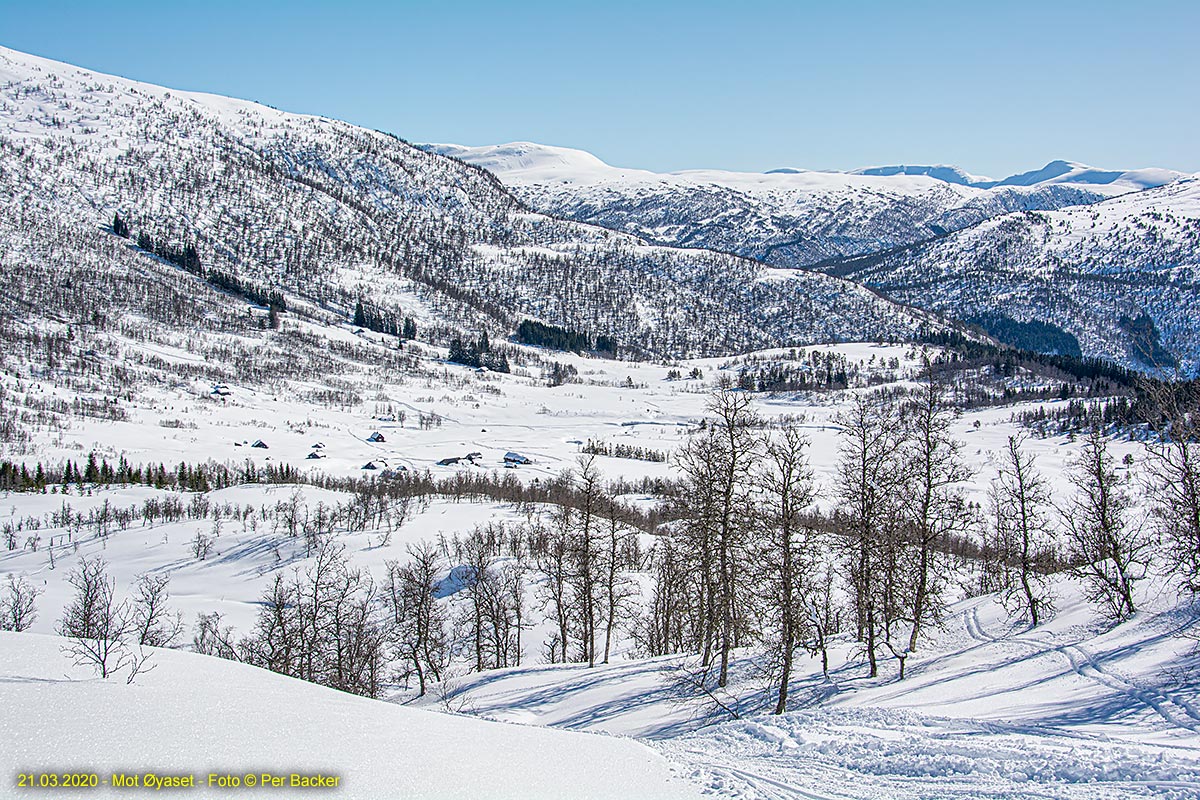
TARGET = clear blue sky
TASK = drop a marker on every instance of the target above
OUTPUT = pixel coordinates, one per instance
(996, 87)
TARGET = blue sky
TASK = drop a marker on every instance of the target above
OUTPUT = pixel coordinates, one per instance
(994, 87)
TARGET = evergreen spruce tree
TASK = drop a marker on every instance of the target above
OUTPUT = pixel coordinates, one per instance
(91, 473)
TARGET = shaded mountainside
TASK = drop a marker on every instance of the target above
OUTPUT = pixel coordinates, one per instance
(321, 215)
(1119, 277)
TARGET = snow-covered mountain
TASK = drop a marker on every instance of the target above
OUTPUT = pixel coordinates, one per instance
(787, 217)
(1122, 276)
(1066, 258)
(328, 214)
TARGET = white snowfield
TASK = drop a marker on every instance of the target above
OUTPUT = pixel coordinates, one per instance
(201, 716)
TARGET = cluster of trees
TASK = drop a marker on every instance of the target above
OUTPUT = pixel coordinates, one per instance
(371, 317)
(478, 354)
(269, 298)
(186, 257)
(737, 567)
(791, 378)
(750, 562)
(396, 491)
(335, 625)
(1034, 335)
(557, 338)
(119, 226)
(109, 634)
(695, 374)
(97, 471)
(622, 450)
(1105, 377)
(560, 373)
(1138, 412)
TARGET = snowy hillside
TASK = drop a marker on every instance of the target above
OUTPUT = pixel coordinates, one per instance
(198, 716)
(936, 237)
(991, 710)
(786, 217)
(327, 214)
(1098, 272)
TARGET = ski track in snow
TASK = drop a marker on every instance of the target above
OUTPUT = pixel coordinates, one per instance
(1086, 665)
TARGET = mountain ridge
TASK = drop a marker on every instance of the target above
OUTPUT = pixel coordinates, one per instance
(330, 214)
(522, 157)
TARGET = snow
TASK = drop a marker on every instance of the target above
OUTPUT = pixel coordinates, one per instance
(198, 715)
(989, 709)
(1072, 709)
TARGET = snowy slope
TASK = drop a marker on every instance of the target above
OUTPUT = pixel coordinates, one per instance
(195, 715)
(1014, 718)
(990, 709)
(786, 217)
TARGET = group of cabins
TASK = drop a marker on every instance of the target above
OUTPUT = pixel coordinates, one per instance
(511, 458)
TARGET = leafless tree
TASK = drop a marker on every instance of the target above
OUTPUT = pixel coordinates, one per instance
(691, 557)
(95, 622)
(618, 590)
(868, 484)
(1172, 476)
(211, 639)
(1110, 551)
(1024, 537)
(202, 545)
(18, 604)
(150, 619)
(822, 612)
(784, 553)
(586, 557)
(419, 622)
(664, 625)
(554, 562)
(723, 458)
(934, 505)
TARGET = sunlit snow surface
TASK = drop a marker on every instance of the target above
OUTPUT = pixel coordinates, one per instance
(197, 715)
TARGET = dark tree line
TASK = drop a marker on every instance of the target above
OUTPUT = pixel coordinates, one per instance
(372, 317)
(557, 338)
(478, 353)
(623, 450)
(186, 257)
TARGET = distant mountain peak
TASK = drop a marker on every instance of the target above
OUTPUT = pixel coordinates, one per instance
(942, 172)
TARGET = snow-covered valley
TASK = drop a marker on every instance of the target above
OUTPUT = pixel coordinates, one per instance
(324, 455)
